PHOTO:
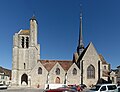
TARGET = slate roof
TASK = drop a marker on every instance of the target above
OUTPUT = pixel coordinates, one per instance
(49, 64)
(7, 72)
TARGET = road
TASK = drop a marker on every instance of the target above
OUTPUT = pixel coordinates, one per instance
(21, 90)
(24, 90)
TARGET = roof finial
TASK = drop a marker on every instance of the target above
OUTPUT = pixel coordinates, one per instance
(33, 17)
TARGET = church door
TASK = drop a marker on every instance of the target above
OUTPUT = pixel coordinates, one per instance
(24, 80)
(57, 80)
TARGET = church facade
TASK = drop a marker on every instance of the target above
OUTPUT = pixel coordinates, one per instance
(28, 70)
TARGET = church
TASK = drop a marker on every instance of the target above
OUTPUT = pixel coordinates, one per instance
(28, 70)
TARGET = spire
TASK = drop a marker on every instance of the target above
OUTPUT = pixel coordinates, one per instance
(80, 47)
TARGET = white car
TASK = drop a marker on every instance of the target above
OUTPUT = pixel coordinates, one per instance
(118, 89)
(104, 88)
(2, 86)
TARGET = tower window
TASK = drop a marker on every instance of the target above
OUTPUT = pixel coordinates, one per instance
(57, 71)
(22, 42)
(24, 65)
(27, 42)
(74, 71)
(39, 70)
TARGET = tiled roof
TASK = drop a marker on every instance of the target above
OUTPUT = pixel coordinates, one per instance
(49, 64)
(25, 32)
(102, 59)
(65, 64)
(5, 71)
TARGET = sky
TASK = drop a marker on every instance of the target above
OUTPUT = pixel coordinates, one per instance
(58, 27)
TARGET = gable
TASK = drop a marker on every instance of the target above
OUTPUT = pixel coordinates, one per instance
(35, 69)
(57, 65)
(90, 53)
(72, 67)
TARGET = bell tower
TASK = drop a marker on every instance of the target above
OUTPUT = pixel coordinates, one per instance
(33, 31)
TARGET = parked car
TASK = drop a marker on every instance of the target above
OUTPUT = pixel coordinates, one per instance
(60, 90)
(2, 86)
(118, 89)
(103, 88)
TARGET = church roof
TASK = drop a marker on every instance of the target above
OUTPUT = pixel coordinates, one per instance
(102, 59)
(49, 64)
(24, 32)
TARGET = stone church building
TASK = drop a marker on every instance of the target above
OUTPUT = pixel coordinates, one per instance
(28, 70)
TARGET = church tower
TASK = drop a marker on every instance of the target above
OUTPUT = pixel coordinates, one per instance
(26, 52)
(80, 47)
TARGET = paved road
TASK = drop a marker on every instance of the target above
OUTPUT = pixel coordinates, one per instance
(22, 90)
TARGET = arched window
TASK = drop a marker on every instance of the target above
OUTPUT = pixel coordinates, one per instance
(74, 71)
(39, 70)
(22, 42)
(57, 71)
(91, 72)
(27, 42)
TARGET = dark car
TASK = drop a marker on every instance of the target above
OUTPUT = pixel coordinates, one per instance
(60, 90)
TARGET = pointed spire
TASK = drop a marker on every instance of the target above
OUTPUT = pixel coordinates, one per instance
(80, 47)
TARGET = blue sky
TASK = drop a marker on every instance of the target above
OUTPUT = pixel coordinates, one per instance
(58, 27)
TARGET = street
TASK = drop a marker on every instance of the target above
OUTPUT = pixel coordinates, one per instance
(25, 90)
(21, 90)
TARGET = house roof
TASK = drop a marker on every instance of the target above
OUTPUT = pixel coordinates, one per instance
(24, 32)
(7, 72)
(102, 59)
(49, 64)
